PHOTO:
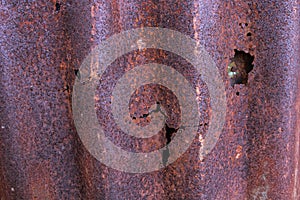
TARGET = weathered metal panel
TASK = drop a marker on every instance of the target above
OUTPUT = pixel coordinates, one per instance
(43, 44)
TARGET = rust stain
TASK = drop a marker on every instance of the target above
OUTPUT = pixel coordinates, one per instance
(43, 43)
(40, 185)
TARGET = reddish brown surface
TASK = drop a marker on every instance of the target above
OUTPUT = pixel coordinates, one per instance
(42, 43)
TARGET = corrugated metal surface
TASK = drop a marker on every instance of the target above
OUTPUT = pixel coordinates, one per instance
(43, 43)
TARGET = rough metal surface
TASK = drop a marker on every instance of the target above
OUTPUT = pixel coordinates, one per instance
(42, 43)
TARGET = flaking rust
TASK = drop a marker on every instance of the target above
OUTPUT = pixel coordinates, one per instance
(255, 45)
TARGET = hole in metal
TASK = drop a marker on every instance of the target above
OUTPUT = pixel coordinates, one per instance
(239, 67)
(169, 135)
(57, 6)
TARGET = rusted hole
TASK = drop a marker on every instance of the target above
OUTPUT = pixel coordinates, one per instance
(77, 73)
(239, 67)
(243, 25)
(205, 124)
(169, 134)
(57, 6)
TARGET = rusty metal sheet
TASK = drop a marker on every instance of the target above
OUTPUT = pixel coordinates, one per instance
(253, 44)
